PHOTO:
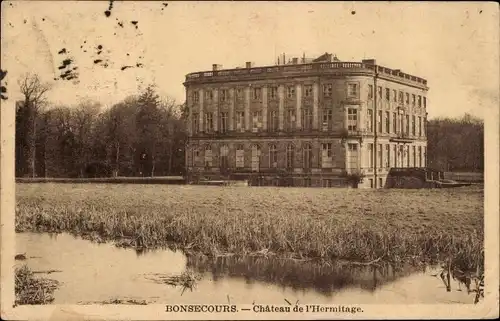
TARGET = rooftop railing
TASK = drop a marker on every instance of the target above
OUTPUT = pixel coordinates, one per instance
(305, 68)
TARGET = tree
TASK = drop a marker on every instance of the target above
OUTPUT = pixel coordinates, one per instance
(27, 112)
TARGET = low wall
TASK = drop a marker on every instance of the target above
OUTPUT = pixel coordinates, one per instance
(472, 177)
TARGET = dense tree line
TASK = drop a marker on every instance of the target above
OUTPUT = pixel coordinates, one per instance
(456, 144)
(142, 135)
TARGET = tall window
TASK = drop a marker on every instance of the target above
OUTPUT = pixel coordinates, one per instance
(273, 121)
(209, 122)
(379, 121)
(256, 120)
(224, 95)
(326, 155)
(394, 122)
(419, 127)
(387, 156)
(239, 93)
(401, 97)
(209, 95)
(240, 121)
(407, 156)
(327, 119)
(196, 125)
(425, 102)
(223, 122)
(414, 156)
(196, 156)
(208, 156)
(290, 91)
(387, 94)
(352, 90)
(387, 122)
(394, 95)
(370, 120)
(273, 92)
(419, 101)
(424, 156)
(407, 118)
(307, 156)
(196, 96)
(370, 91)
(379, 156)
(273, 156)
(224, 153)
(407, 96)
(352, 156)
(308, 90)
(307, 118)
(256, 93)
(370, 155)
(290, 119)
(255, 158)
(352, 119)
(395, 155)
(413, 125)
(420, 156)
(379, 91)
(413, 100)
(290, 155)
(240, 156)
(327, 90)
(424, 126)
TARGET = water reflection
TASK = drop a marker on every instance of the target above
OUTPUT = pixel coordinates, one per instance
(325, 278)
(92, 272)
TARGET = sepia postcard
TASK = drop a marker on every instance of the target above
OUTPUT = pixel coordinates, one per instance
(227, 160)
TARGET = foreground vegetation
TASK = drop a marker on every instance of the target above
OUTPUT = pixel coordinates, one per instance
(32, 290)
(361, 226)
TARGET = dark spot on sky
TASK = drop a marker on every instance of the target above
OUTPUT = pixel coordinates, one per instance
(114, 34)
(139, 65)
(62, 51)
(105, 65)
(43, 19)
(67, 62)
(134, 22)
(99, 52)
(125, 67)
(97, 61)
(25, 20)
(99, 47)
(85, 51)
(353, 12)
(480, 11)
(120, 24)
(75, 68)
(85, 41)
(10, 24)
(108, 12)
(61, 67)
(128, 54)
(164, 5)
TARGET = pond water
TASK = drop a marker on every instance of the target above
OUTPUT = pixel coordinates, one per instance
(89, 273)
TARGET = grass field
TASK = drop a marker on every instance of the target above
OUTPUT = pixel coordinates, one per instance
(357, 225)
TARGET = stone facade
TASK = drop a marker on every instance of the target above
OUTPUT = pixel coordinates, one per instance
(312, 124)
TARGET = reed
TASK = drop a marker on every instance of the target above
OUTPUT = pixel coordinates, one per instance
(32, 290)
(356, 225)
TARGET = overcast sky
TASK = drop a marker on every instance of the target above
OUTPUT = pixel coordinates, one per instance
(452, 45)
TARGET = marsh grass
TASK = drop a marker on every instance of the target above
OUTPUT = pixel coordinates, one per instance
(32, 290)
(362, 226)
(187, 280)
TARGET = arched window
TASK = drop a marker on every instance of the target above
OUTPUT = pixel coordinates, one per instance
(307, 156)
(224, 154)
(273, 156)
(208, 156)
(290, 153)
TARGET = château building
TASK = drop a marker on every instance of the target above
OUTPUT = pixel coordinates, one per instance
(313, 121)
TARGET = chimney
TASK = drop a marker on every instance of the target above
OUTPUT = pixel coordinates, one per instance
(369, 61)
(216, 67)
(295, 61)
(249, 64)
